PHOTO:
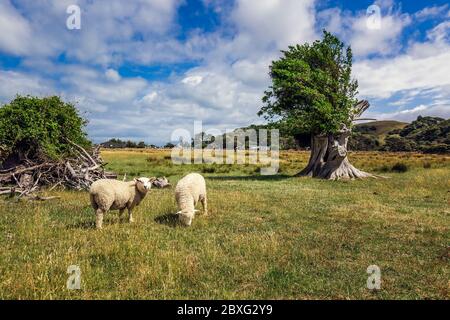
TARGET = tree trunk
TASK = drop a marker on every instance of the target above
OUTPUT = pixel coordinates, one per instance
(329, 159)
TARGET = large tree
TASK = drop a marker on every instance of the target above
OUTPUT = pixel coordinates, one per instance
(312, 91)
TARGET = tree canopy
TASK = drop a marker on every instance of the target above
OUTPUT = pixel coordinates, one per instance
(41, 127)
(312, 89)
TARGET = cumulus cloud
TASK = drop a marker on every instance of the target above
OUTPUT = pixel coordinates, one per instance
(408, 115)
(16, 31)
(424, 66)
(12, 83)
(112, 75)
(224, 86)
(431, 12)
(366, 37)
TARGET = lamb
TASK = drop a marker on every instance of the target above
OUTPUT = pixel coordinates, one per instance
(189, 190)
(109, 194)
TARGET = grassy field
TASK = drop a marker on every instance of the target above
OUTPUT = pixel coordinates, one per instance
(274, 237)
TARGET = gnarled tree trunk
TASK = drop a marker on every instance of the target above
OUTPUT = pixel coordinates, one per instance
(329, 159)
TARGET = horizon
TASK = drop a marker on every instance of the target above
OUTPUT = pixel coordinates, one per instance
(140, 70)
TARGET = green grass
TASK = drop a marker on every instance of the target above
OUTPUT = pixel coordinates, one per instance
(266, 237)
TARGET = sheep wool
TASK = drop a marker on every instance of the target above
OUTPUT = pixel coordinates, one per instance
(109, 194)
(189, 190)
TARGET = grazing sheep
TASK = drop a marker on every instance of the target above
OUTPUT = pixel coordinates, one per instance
(161, 183)
(108, 194)
(189, 190)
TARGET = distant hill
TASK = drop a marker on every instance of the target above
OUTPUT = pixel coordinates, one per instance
(426, 134)
(371, 135)
(379, 128)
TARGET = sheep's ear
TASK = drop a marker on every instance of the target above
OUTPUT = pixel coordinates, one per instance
(152, 179)
(135, 179)
(196, 210)
(178, 212)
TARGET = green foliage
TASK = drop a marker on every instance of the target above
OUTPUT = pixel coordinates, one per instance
(117, 143)
(363, 142)
(39, 127)
(169, 145)
(398, 143)
(312, 90)
(427, 134)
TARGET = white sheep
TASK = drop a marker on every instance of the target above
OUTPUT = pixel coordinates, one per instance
(109, 194)
(189, 190)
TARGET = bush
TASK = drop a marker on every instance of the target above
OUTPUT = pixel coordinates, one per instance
(439, 148)
(399, 167)
(384, 168)
(209, 169)
(34, 128)
(427, 165)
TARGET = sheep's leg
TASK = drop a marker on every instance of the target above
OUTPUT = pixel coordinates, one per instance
(121, 213)
(205, 205)
(99, 218)
(130, 215)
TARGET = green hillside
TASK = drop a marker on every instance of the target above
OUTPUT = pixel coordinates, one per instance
(426, 134)
(379, 128)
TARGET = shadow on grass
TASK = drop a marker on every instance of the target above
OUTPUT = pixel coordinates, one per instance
(82, 225)
(85, 225)
(276, 177)
(168, 219)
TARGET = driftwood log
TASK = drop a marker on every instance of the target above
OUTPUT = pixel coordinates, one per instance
(77, 172)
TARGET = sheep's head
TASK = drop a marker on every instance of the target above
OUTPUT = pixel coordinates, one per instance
(161, 182)
(144, 184)
(185, 217)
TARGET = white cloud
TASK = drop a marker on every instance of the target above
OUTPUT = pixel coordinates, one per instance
(274, 21)
(224, 90)
(12, 83)
(108, 30)
(15, 30)
(383, 41)
(112, 75)
(354, 29)
(431, 12)
(192, 80)
(423, 66)
(408, 115)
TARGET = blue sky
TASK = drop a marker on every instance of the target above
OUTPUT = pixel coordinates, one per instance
(142, 69)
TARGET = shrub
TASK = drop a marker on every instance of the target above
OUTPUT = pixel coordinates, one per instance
(209, 169)
(384, 168)
(32, 127)
(427, 165)
(399, 167)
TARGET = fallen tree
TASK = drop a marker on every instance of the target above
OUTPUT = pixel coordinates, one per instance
(76, 172)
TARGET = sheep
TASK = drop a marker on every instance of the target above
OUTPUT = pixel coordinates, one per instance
(189, 190)
(109, 194)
